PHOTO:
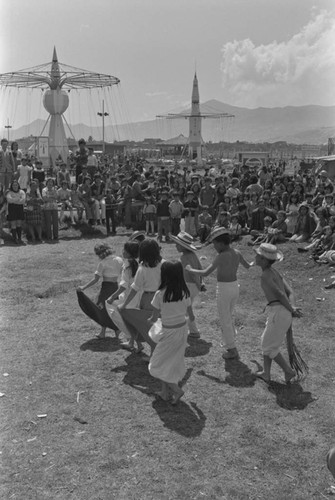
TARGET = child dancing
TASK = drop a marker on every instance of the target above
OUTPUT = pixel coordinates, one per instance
(184, 245)
(226, 264)
(281, 309)
(130, 266)
(172, 303)
(109, 269)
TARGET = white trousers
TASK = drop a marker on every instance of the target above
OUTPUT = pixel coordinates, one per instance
(227, 296)
(278, 322)
(194, 292)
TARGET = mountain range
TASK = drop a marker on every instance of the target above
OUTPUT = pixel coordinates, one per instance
(311, 124)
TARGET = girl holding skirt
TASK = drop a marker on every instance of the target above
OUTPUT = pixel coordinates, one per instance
(172, 303)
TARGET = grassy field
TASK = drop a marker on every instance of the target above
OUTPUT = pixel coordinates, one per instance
(79, 419)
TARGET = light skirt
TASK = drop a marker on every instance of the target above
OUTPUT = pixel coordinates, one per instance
(168, 360)
(278, 322)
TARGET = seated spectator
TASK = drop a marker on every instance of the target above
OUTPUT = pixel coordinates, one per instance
(305, 225)
(278, 230)
(235, 228)
(257, 216)
(76, 200)
(261, 236)
(205, 224)
(64, 198)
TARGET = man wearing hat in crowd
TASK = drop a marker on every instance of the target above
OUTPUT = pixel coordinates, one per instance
(281, 308)
(226, 264)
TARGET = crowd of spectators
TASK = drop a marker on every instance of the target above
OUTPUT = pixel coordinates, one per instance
(268, 203)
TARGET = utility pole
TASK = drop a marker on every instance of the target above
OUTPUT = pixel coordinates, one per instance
(8, 127)
(103, 114)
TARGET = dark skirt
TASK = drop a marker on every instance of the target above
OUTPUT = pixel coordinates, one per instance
(137, 319)
(15, 212)
(34, 217)
(98, 312)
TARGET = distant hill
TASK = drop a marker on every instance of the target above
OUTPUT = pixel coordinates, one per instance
(293, 124)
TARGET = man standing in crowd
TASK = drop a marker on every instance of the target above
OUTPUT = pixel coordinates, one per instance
(81, 157)
(7, 164)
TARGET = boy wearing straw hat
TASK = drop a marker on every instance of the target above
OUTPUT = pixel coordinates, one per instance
(226, 264)
(281, 309)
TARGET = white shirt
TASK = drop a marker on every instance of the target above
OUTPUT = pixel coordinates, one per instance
(172, 313)
(109, 267)
(147, 279)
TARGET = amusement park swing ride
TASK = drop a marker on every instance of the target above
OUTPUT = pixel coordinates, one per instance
(56, 80)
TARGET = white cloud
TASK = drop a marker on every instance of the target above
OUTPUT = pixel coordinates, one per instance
(295, 72)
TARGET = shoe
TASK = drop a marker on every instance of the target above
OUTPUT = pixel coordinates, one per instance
(331, 285)
(98, 222)
(103, 222)
(231, 354)
(302, 250)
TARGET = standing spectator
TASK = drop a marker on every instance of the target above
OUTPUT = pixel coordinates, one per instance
(24, 174)
(16, 198)
(38, 174)
(207, 195)
(85, 196)
(34, 212)
(191, 207)
(110, 204)
(16, 152)
(176, 209)
(3, 210)
(92, 163)
(80, 157)
(163, 217)
(7, 165)
(98, 194)
(50, 198)
(149, 212)
(63, 175)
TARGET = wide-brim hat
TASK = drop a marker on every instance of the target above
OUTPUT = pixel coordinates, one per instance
(137, 235)
(185, 240)
(218, 231)
(270, 252)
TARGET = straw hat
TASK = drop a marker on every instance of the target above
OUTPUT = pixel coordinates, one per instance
(331, 461)
(185, 240)
(137, 236)
(269, 251)
(218, 231)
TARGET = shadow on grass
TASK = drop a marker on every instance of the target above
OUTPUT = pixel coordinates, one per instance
(108, 344)
(187, 420)
(291, 396)
(197, 347)
(137, 374)
(239, 374)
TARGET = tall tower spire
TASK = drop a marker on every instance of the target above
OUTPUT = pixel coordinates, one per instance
(195, 139)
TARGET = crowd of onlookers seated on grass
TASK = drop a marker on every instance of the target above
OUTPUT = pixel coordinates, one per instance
(269, 204)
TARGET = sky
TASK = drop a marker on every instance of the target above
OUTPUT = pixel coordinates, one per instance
(248, 53)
